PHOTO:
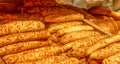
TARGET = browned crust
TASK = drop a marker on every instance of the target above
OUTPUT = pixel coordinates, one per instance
(103, 11)
(20, 26)
(20, 37)
(50, 60)
(31, 3)
(22, 46)
(36, 54)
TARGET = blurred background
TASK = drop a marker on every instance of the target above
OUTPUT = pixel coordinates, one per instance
(11, 5)
(112, 4)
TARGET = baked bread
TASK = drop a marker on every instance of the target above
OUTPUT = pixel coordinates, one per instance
(30, 3)
(104, 11)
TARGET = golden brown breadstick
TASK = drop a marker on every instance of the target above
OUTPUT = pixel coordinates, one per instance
(65, 24)
(36, 54)
(20, 26)
(79, 48)
(106, 52)
(114, 59)
(69, 61)
(84, 12)
(54, 27)
(103, 43)
(22, 46)
(87, 42)
(49, 60)
(72, 36)
(20, 37)
(64, 17)
(75, 28)
(54, 37)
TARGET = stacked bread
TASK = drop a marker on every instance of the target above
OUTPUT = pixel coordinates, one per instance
(57, 34)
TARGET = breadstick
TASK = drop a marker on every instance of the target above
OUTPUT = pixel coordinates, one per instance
(36, 54)
(87, 42)
(66, 24)
(114, 59)
(20, 37)
(64, 17)
(106, 52)
(75, 28)
(49, 60)
(20, 26)
(54, 27)
(103, 43)
(72, 36)
(22, 46)
(85, 13)
(79, 48)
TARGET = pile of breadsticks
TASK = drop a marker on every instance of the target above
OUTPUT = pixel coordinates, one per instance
(48, 33)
